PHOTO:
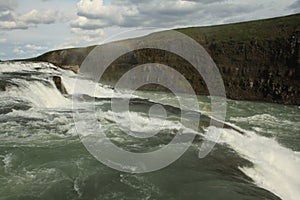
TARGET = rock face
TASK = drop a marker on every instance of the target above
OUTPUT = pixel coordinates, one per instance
(59, 85)
(258, 60)
(74, 68)
(65, 58)
(261, 61)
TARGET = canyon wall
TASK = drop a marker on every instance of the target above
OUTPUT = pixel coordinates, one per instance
(258, 60)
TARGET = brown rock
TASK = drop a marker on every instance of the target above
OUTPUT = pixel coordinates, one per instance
(59, 85)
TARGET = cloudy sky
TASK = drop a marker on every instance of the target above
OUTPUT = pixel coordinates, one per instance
(29, 28)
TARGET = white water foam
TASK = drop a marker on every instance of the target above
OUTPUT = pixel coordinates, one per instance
(262, 119)
(39, 94)
(28, 66)
(87, 87)
(138, 123)
(7, 160)
(48, 96)
(128, 121)
(276, 168)
(76, 84)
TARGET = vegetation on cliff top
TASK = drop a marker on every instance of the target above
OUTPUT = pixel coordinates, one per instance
(258, 60)
(267, 29)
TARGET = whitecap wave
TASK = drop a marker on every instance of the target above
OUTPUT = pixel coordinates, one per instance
(276, 168)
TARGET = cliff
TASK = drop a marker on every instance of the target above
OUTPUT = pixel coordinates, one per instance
(258, 60)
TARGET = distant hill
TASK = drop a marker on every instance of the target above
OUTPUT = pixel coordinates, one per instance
(259, 60)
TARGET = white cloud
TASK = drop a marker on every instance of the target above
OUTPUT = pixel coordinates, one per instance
(6, 15)
(19, 51)
(28, 50)
(91, 33)
(10, 19)
(8, 4)
(95, 20)
(40, 17)
(85, 37)
(88, 22)
(3, 40)
(295, 6)
(93, 14)
(33, 47)
(13, 25)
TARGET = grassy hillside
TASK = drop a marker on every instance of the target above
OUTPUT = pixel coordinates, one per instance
(267, 29)
(258, 60)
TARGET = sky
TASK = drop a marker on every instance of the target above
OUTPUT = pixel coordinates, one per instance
(32, 27)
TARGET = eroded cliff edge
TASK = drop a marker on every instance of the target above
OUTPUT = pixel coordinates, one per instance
(258, 60)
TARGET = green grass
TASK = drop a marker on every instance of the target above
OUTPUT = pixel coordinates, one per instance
(267, 29)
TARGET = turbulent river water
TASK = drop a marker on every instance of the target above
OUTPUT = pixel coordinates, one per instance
(42, 156)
